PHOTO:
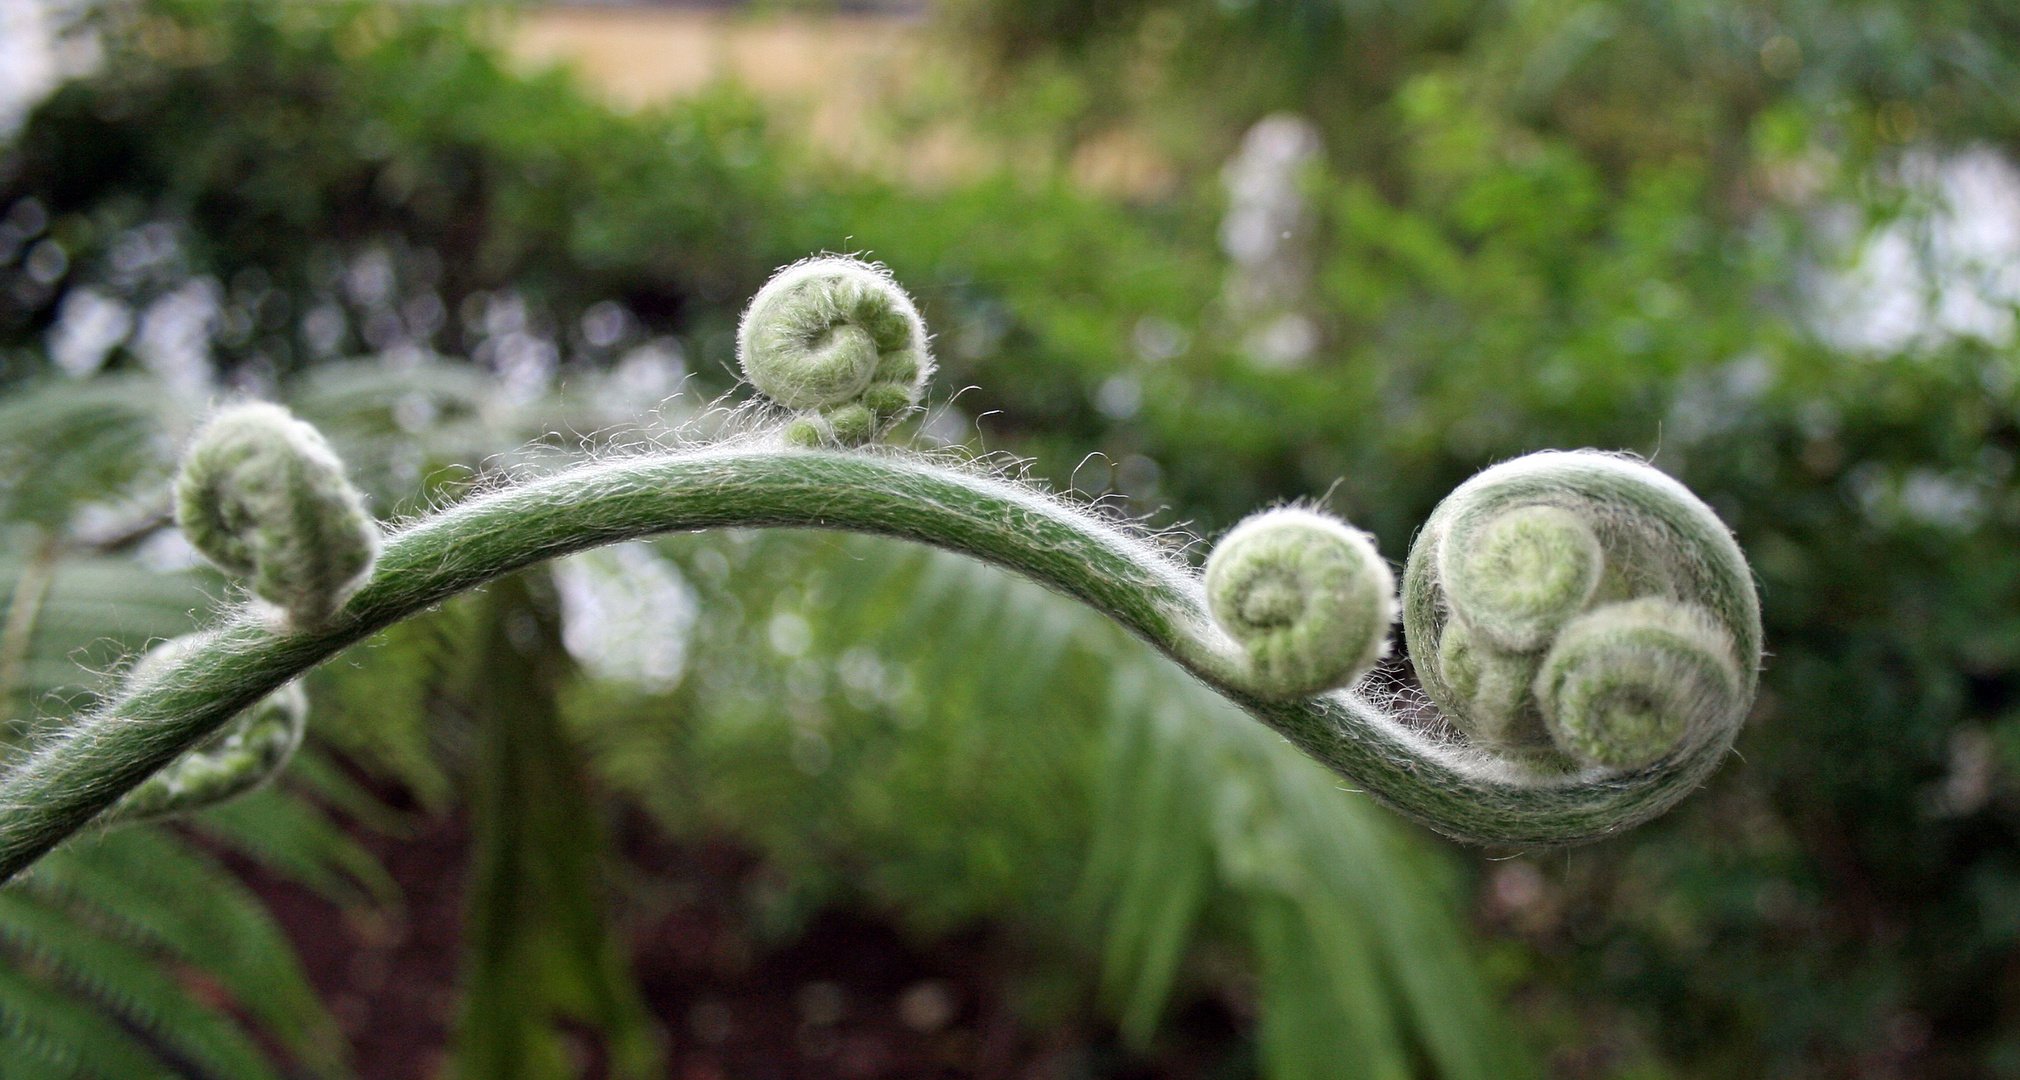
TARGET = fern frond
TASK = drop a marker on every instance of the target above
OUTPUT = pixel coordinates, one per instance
(394, 426)
(95, 612)
(131, 985)
(141, 885)
(1145, 880)
(62, 443)
(109, 941)
(1324, 865)
(292, 837)
(318, 775)
(45, 1032)
(1035, 754)
(1320, 1010)
(376, 701)
(537, 945)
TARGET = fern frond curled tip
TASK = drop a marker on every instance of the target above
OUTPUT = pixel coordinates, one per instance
(837, 341)
(1306, 597)
(262, 495)
(1578, 610)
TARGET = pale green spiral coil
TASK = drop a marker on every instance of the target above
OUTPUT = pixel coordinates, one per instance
(248, 751)
(262, 495)
(837, 341)
(1625, 683)
(1522, 573)
(1305, 596)
(1582, 610)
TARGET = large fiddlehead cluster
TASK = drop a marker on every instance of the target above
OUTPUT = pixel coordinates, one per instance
(1578, 610)
(1588, 628)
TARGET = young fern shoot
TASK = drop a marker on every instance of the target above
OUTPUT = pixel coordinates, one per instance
(1576, 610)
(836, 340)
(247, 752)
(1305, 596)
(1588, 628)
(262, 495)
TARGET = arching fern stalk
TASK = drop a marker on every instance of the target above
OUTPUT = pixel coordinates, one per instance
(1586, 624)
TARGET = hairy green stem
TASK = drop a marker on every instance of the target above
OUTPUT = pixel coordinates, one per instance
(1434, 778)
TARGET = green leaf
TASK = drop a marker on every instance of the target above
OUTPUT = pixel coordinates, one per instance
(65, 442)
(537, 944)
(293, 838)
(1027, 726)
(143, 886)
(47, 1033)
(132, 986)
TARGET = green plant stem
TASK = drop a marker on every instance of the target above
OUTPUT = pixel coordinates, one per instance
(57, 789)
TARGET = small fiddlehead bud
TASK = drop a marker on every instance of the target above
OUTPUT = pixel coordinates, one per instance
(1520, 574)
(1305, 596)
(837, 341)
(262, 495)
(1626, 682)
(1573, 610)
(249, 750)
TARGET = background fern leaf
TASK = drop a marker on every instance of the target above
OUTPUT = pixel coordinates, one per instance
(1022, 761)
(189, 1034)
(47, 1033)
(140, 885)
(133, 953)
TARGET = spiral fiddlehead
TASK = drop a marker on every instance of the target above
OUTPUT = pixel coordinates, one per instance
(838, 342)
(248, 751)
(1588, 627)
(1307, 599)
(1580, 610)
(262, 495)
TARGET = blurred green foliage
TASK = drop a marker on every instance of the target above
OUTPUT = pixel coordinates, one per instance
(1531, 224)
(1027, 764)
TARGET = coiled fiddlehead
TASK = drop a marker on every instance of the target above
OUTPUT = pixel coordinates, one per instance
(1305, 596)
(1587, 625)
(248, 751)
(837, 341)
(1579, 610)
(262, 495)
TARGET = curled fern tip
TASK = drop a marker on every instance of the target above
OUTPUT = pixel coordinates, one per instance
(1307, 598)
(251, 749)
(838, 342)
(262, 495)
(1582, 610)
